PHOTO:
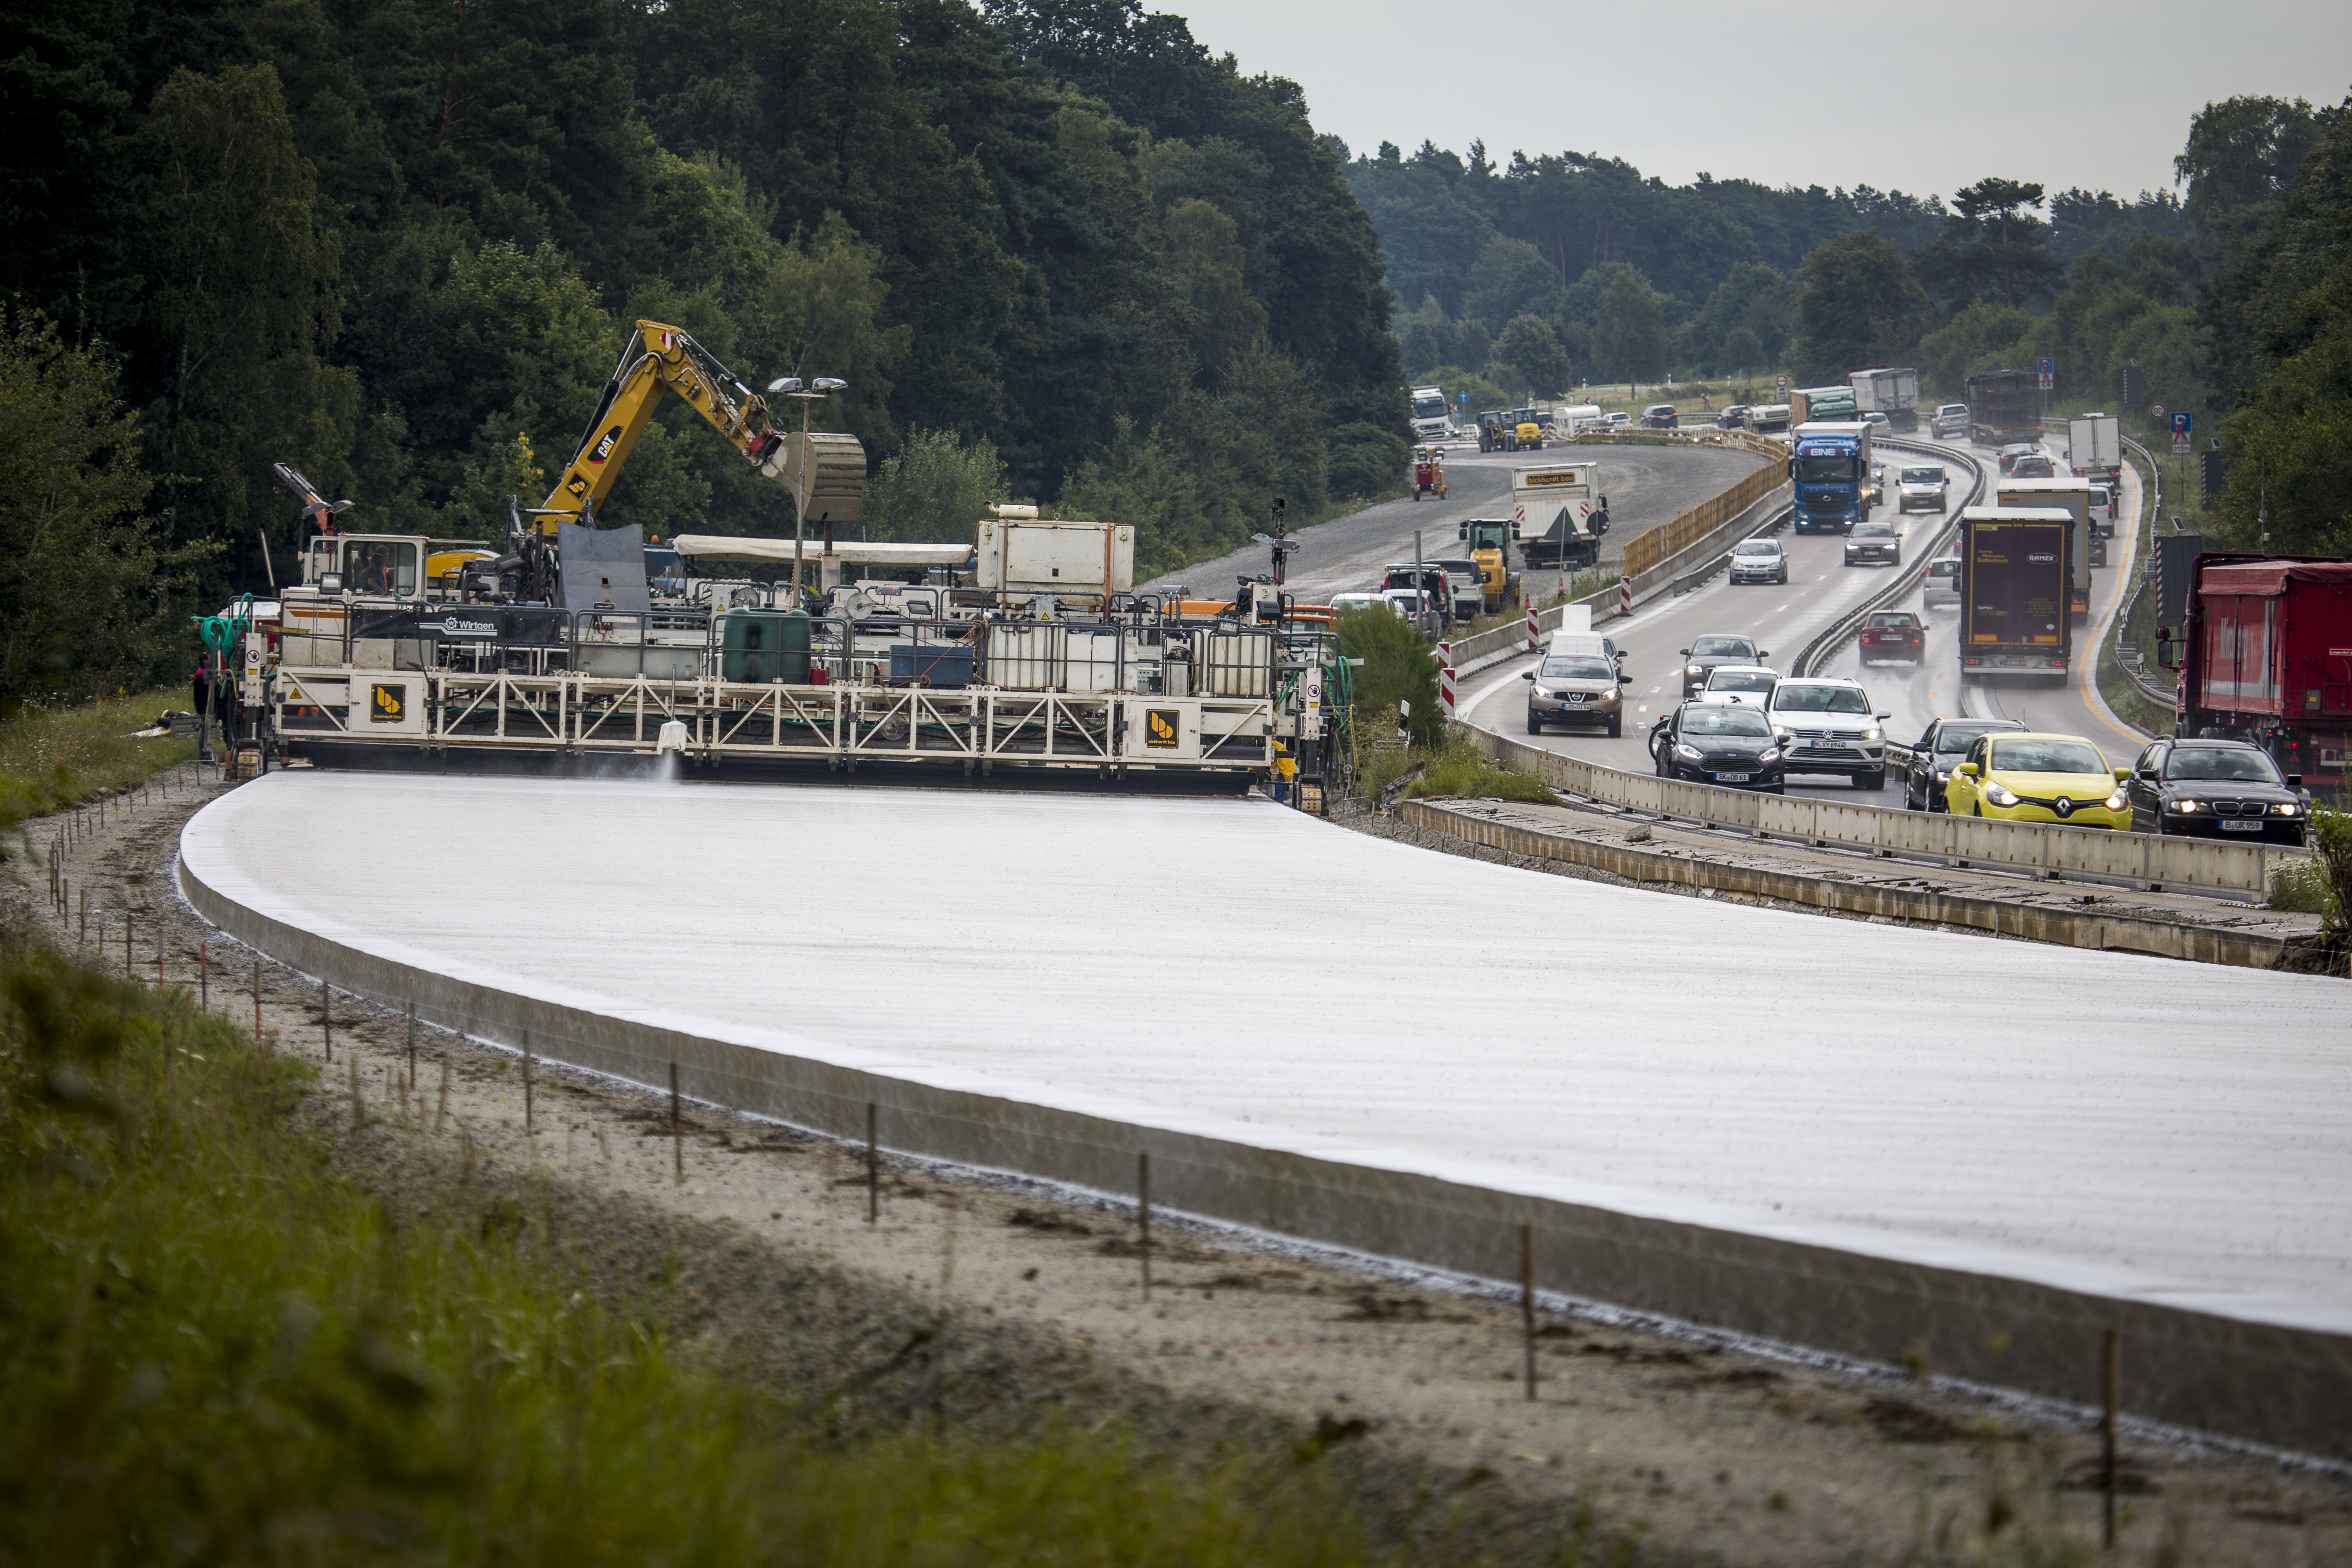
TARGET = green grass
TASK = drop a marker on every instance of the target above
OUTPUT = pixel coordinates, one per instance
(53, 758)
(2300, 887)
(1457, 768)
(215, 1347)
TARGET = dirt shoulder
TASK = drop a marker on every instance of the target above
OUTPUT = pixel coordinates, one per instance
(986, 1301)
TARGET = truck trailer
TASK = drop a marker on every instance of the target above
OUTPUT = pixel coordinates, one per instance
(2013, 592)
(1555, 517)
(1819, 404)
(2266, 655)
(2095, 448)
(2085, 551)
(1894, 393)
(2004, 406)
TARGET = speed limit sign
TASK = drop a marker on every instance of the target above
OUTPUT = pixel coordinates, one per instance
(2156, 410)
(1781, 383)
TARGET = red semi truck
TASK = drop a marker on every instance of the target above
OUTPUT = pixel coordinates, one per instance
(2267, 656)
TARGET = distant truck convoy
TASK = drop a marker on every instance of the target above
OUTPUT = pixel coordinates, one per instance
(1894, 393)
(1433, 417)
(1556, 520)
(2266, 655)
(2013, 592)
(2095, 448)
(2004, 406)
(1829, 466)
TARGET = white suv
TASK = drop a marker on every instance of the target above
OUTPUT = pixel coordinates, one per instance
(1827, 726)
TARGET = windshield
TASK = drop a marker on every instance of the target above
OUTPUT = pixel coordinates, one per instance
(1819, 699)
(1922, 476)
(1577, 666)
(1427, 407)
(2222, 763)
(1723, 647)
(1957, 738)
(1873, 530)
(1738, 680)
(1465, 567)
(1756, 547)
(1943, 568)
(2047, 757)
(1816, 469)
(1724, 721)
(1893, 618)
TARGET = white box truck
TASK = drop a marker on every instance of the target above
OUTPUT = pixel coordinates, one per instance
(2094, 446)
(1894, 393)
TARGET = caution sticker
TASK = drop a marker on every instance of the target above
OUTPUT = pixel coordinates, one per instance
(1160, 726)
(388, 702)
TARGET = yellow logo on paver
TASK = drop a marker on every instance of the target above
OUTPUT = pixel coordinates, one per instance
(1160, 726)
(388, 704)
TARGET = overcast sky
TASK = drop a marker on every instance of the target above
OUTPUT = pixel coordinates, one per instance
(1924, 98)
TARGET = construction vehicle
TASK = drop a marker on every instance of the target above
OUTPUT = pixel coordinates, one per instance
(1555, 517)
(1489, 539)
(2013, 592)
(2266, 655)
(1428, 473)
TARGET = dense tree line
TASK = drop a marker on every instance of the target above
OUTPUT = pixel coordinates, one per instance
(399, 245)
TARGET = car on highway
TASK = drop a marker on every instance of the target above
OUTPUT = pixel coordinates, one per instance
(1872, 543)
(1704, 653)
(2216, 789)
(1661, 416)
(1943, 582)
(1434, 582)
(1893, 634)
(1949, 419)
(2034, 466)
(2031, 776)
(1417, 608)
(1738, 686)
(1928, 489)
(1827, 726)
(1927, 766)
(1758, 560)
(2103, 511)
(1575, 689)
(1565, 641)
(1719, 745)
(1469, 587)
(1342, 603)
(2009, 454)
(1734, 418)
(1617, 419)
(1876, 420)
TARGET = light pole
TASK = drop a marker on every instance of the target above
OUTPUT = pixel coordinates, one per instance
(790, 386)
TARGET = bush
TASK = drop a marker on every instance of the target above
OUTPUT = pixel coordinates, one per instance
(1399, 667)
(1459, 768)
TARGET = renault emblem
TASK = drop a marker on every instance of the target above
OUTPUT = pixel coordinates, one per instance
(2065, 806)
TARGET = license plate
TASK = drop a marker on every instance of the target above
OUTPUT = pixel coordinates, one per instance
(2242, 828)
(1733, 778)
(1822, 745)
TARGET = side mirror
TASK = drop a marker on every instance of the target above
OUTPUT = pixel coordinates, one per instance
(331, 583)
(1527, 675)
(1968, 770)
(1763, 653)
(1624, 680)
(2164, 658)
(2123, 775)
(1684, 651)
(1781, 737)
(1881, 716)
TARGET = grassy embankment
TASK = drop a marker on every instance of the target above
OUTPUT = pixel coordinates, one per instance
(217, 1347)
(53, 758)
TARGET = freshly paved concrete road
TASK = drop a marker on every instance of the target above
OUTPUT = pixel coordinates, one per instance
(1646, 486)
(2166, 1132)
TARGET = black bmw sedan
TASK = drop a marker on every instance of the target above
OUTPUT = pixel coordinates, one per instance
(2216, 789)
(1716, 745)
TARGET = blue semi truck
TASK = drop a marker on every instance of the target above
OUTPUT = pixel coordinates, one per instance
(1831, 469)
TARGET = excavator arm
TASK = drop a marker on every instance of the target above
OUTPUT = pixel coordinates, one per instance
(657, 359)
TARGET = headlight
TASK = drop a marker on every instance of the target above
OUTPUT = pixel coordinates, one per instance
(1943, 775)
(1873, 733)
(2187, 805)
(1769, 754)
(2118, 801)
(1609, 696)
(1697, 669)
(2000, 795)
(1686, 753)
(1542, 693)
(2286, 808)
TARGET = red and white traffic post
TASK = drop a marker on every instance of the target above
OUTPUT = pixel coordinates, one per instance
(1534, 632)
(1445, 677)
(1624, 596)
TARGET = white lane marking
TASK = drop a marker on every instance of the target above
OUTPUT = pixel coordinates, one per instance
(1781, 610)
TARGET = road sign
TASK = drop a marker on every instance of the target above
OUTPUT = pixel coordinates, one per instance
(2048, 369)
(2156, 410)
(2180, 431)
(1781, 383)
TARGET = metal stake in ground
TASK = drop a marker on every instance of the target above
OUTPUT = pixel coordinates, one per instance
(1143, 1217)
(676, 1137)
(412, 1045)
(2111, 1387)
(526, 1084)
(873, 1169)
(1527, 1301)
(256, 1001)
(204, 975)
(327, 1018)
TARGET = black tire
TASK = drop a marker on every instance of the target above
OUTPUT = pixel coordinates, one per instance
(1616, 728)
(1535, 725)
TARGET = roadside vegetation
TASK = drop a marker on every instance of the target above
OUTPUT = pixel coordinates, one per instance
(217, 1348)
(51, 758)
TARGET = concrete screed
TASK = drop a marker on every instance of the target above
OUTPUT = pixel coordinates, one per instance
(2092, 1122)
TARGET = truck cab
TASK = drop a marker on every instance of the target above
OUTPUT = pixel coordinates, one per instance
(1433, 417)
(387, 565)
(1829, 467)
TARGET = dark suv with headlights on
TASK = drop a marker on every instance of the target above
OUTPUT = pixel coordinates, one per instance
(1704, 653)
(1719, 745)
(1575, 689)
(1928, 765)
(2216, 789)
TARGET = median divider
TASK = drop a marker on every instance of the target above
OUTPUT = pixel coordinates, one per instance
(2144, 860)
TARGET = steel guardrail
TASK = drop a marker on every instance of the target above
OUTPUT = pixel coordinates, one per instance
(2127, 658)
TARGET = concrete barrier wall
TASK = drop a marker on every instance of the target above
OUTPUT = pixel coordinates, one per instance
(2264, 1382)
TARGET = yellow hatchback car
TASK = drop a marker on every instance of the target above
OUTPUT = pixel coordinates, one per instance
(2030, 777)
